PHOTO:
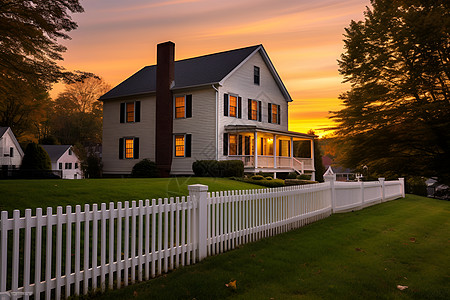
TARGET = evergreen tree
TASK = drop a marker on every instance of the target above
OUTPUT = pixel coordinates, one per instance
(396, 119)
(35, 158)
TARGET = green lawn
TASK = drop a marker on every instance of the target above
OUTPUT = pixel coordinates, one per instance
(22, 194)
(358, 255)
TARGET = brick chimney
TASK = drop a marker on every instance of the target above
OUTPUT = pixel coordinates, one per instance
(165, 76)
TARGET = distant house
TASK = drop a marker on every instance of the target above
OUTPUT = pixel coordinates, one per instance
(65, 160)
(11, 153)
(229, 105)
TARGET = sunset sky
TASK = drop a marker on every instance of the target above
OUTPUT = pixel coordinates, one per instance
(303, 38)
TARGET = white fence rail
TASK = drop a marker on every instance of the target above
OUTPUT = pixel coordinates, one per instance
(69, 253)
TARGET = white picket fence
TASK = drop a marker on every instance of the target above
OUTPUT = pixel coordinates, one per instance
(71, 252)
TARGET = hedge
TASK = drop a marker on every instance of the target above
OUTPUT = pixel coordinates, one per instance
(222, 168)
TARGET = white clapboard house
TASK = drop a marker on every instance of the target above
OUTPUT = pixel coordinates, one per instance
(65, 160)
(11, 153)
(230, 105)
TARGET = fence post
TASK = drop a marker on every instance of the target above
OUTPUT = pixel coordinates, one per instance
(330, 177)
(362, 193)
(383, 194)
(198, 194)
(402, 183)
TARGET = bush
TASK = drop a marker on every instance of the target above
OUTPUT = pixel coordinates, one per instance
(304, 177)
(417, 186)
(291, 175)
(35, 158)
(257, 177)
(268, 178)
(92, 167)
(145, 169)
(214, 168)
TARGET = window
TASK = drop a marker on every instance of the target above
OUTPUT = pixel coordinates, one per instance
(68, 166)
(232, 106)
(183, 106)
(233, 144)
(130, 112)
(256, 75)
(254, 110)
(60, 166)
(76, 165)
(70, 151)
(129, 148)
(179, 145)
(11, 152)
(183, 145)
(179, 107)
(274, 113)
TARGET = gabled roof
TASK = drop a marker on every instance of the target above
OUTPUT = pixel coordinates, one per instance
(198, 71)
(3, 131)
(55, 151)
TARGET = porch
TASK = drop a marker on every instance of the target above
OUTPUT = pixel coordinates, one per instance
(270, 150)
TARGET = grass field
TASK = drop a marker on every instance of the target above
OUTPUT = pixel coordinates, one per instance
(22, 194)
(358, 255)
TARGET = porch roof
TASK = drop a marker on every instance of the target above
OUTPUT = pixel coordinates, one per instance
(254, 128)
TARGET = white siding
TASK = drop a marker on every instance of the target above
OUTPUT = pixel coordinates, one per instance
(6, 142)
(201, 126)
(113, 130)
(241, 83)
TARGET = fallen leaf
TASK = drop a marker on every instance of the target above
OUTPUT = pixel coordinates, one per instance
(413, 240)
(231, 284)
(402, 287)
(135, 294)
(359, 249)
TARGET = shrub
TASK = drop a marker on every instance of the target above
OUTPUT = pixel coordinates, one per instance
(417, 186)
(92, 167)
(145, 169)
(268, 178)
(304, 177)
(291, 175)
(214, 168)
(257, 177)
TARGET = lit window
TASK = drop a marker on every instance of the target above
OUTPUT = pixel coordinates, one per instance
(233, 106)
(129, 148)
(130, 112)
(233, 144)
(274, 113)
(179, 107)
(256, 75)
(179, 145)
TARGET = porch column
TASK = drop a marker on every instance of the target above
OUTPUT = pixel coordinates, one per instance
(292, 152)
(274, 151)
(255, 161)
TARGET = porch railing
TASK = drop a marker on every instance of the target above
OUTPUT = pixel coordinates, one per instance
(267, 161)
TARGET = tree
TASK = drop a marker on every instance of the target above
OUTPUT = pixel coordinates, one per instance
(318, 164)
(396, 119)
(35, 158)
(30, 31)
(77, 114)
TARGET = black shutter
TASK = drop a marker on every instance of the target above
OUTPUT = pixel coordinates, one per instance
(225, 144)
(122, 112)
(225, 105)
(262, 147)
(279, 113)
(270, 113)
(136, 148)
(247, 145)
(137, 111)
(289, 148)
(240, 145)
(259, 111)
(121, 148)
(187, 146)
(279, 150)
(249, 109)
(188, 106)
(239, 107)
